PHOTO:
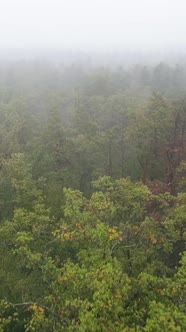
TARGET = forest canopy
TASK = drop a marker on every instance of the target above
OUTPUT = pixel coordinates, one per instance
(92, 197)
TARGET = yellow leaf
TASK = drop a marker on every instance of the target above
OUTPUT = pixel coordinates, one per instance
(112, 230)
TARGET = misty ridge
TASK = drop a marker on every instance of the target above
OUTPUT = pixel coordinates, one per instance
(102, 73)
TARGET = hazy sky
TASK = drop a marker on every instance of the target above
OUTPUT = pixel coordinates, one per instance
(102, 24)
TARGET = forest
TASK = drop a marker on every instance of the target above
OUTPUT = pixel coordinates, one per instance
(92, 197)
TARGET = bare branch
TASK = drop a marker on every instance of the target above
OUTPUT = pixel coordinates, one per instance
(29, 303)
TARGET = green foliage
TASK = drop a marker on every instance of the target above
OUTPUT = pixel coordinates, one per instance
(83, 246)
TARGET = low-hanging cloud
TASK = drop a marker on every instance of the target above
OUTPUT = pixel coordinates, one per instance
(87, 24)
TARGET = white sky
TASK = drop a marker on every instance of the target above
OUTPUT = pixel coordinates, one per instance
(102, 24)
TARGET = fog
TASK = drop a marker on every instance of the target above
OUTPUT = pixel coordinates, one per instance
(82, 24)
(151, 27)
